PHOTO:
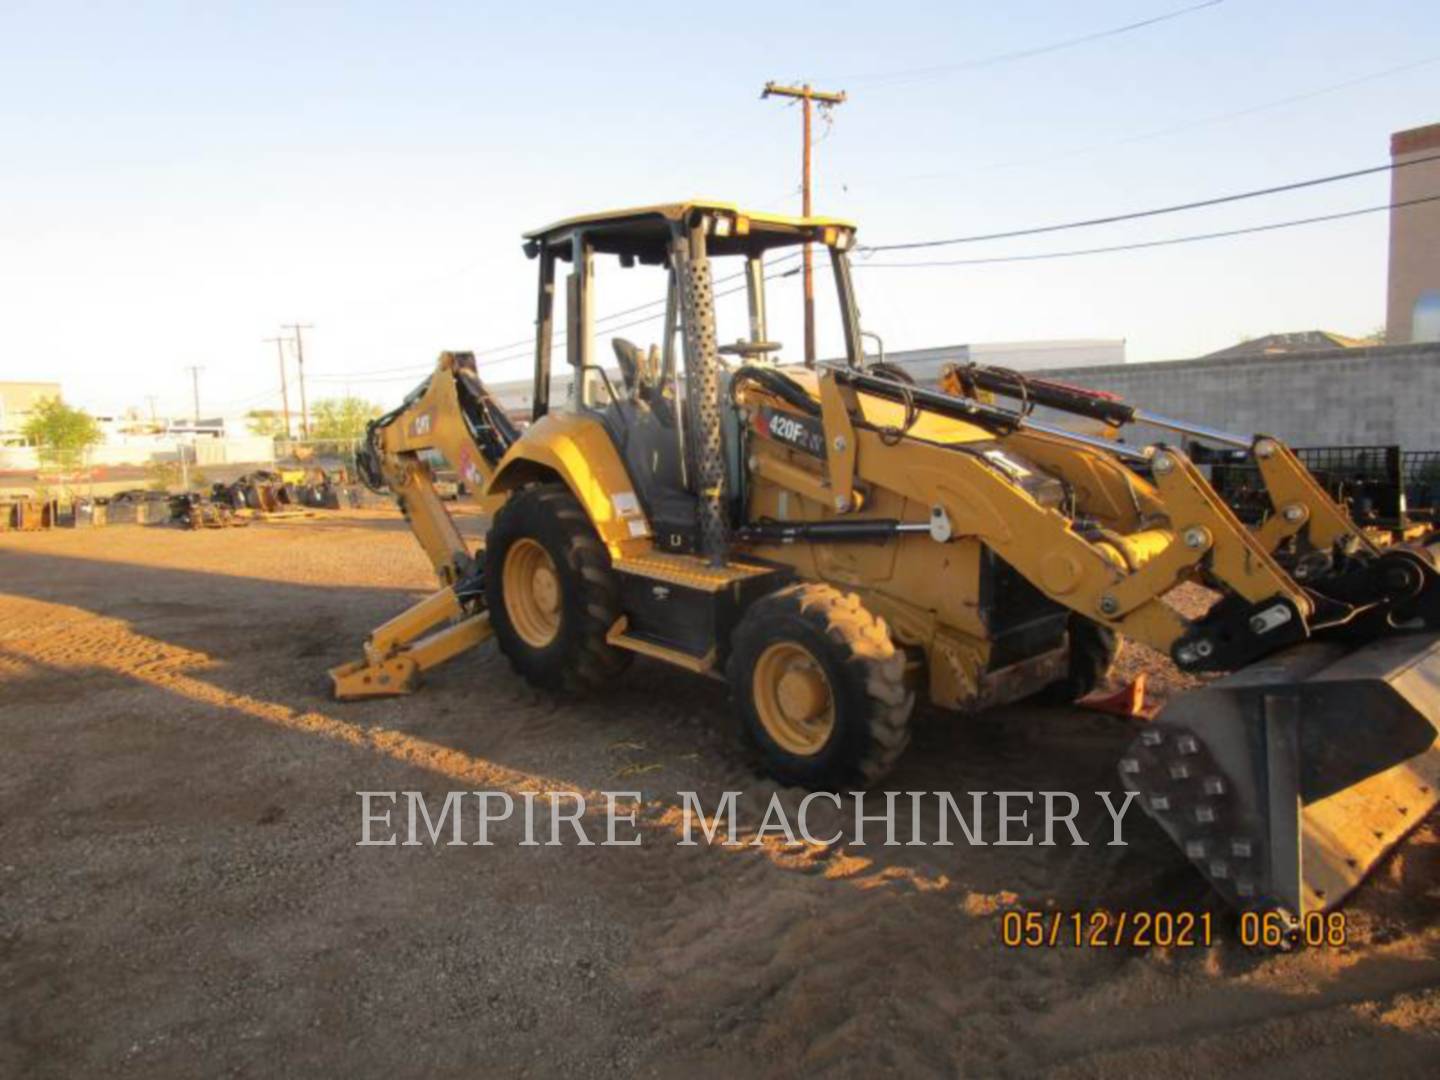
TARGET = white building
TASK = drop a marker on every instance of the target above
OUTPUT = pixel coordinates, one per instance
(17, 400)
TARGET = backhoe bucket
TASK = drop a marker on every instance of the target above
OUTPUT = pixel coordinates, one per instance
(1286, 782)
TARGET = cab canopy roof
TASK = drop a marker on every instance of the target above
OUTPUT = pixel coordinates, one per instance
(643, 232)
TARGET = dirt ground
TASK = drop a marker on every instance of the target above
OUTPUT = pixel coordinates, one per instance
(181, 892)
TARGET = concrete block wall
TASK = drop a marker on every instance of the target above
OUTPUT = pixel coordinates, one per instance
(1382, 394)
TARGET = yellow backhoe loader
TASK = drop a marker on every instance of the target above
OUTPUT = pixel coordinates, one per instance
(836, 540)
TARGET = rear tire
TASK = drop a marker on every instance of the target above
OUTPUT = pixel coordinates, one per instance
(551, 591)
(820, 688)
(1093, 649)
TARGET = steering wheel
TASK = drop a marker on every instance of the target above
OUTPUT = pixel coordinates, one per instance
(749, 348)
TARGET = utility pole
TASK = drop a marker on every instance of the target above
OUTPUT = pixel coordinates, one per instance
(284, 390)
(806, 95)
(151, 399)
(300, 363)
(195, 370)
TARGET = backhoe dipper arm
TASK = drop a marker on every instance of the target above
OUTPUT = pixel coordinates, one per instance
(450, 415)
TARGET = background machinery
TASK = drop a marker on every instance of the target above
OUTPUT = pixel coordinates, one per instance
(836, 541)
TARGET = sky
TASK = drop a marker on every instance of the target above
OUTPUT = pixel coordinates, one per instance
(179, 180)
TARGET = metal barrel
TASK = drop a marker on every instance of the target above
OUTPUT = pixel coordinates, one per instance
(1286, 782)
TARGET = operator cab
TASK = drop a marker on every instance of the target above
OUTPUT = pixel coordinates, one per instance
(647, 415)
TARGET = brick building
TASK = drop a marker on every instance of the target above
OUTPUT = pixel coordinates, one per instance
(1414, 288)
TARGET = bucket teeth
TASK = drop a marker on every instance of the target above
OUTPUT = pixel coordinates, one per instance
(1287, 781)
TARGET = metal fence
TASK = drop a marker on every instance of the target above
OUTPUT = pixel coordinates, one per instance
(1420, 472)
(1379, 485)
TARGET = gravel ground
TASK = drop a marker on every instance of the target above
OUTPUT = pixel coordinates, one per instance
(181, 891)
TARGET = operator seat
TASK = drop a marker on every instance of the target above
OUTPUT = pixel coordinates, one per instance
(642, 424)
(639, 369)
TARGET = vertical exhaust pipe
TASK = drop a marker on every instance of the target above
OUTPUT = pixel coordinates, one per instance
(702, 393)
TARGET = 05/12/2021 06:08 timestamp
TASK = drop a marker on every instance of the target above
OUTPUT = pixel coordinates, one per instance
(1165, 929)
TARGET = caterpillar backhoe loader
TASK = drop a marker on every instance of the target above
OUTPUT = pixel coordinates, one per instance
(836, 540)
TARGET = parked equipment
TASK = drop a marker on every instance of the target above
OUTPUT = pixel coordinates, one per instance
(88, 513)
(139, 506)
(23, 513)
(195, 511)
(835, 541)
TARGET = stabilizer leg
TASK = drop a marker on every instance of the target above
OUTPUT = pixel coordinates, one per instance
(399, 651)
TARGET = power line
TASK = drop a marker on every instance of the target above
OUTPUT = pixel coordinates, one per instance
(247, 399)
(395, 373)
(559, 338)
(1133, 215)
(1150, 243)
(420, 371)
(380, 375)
(914, 74)
(1176, 129)
(660, 314)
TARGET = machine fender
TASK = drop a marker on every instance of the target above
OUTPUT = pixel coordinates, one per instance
(578, 451)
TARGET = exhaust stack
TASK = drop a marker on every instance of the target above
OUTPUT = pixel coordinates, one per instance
(702, 393)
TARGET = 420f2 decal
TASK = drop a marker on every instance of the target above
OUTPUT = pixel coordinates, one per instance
(801, 432)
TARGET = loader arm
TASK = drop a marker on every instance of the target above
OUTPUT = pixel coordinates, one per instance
(448, 417)
(1299, 507)
(1284, 782)
(1116, 578)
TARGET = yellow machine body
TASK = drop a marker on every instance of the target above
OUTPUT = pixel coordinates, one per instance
(959, 550)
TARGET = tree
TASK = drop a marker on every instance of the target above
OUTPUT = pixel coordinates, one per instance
(265, 422)
(61, 433)
(341, 418)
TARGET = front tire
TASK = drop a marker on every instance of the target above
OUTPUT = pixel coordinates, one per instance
(820, 688)
(551, 591)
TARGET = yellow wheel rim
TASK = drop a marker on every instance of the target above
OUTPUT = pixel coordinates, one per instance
(793, 698)
(531, 586)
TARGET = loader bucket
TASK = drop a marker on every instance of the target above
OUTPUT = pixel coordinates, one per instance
(1286, 782)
